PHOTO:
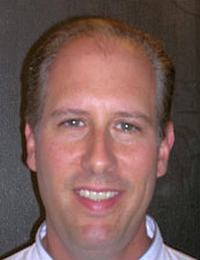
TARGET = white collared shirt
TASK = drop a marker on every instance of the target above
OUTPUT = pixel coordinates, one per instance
(157, 251)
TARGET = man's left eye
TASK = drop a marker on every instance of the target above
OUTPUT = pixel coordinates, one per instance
(127, 127)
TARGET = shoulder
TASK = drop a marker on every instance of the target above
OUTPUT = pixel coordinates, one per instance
(173, 254)
(159, 250)
(28, 253)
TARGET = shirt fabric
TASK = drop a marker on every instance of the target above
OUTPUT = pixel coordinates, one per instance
(157, 250)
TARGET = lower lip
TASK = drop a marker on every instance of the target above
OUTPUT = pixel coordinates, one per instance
(98, 206)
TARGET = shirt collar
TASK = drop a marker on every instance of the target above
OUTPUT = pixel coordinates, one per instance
(152, 253)
(153, 232)
(42, 253)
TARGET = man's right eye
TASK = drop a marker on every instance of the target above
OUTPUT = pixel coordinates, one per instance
(73, 123)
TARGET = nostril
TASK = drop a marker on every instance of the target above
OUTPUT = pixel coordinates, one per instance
(99, 156)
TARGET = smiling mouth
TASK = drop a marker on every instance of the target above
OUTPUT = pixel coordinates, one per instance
(97, 196)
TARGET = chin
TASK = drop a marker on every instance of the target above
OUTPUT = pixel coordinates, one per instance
(97, 237)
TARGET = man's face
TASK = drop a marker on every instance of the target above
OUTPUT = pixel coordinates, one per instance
(96, 151)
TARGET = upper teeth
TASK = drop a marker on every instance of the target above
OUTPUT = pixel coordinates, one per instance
(97, 196)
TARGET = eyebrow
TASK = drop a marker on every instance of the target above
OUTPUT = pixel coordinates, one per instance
(63, 112)
(74, 111)
(135, 114)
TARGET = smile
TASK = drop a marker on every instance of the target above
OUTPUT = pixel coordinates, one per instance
(97, 196)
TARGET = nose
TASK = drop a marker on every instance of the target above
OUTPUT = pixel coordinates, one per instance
(99, 154)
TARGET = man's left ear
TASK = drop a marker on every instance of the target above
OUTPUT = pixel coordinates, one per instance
(165, 148)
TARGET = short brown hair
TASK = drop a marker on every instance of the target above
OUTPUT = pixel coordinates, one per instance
(44, 52)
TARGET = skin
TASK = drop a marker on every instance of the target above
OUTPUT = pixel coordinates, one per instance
(98, 131)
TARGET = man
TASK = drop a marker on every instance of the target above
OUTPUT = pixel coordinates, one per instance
(98, 135)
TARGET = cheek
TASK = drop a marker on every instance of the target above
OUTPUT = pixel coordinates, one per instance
(52, 175)
(138, 169)
(51, 166)
(55, 154)
(58, 165)
(139, 160)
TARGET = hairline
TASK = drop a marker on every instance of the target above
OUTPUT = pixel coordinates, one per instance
(64, 36)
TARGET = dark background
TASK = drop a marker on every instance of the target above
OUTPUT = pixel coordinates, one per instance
(176, 205)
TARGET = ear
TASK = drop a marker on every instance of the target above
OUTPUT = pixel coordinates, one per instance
(165, 148)
(30, 147)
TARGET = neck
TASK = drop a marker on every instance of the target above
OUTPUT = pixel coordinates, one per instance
(132, 250)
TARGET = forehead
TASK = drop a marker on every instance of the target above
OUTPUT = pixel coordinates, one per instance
(103, 63)
(107, 49)
(104, 69)
(105, 46)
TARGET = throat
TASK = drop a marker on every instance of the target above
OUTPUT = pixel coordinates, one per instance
(132, 250)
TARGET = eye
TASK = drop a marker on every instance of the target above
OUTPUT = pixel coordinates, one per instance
(73, 123)
(127, 127)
